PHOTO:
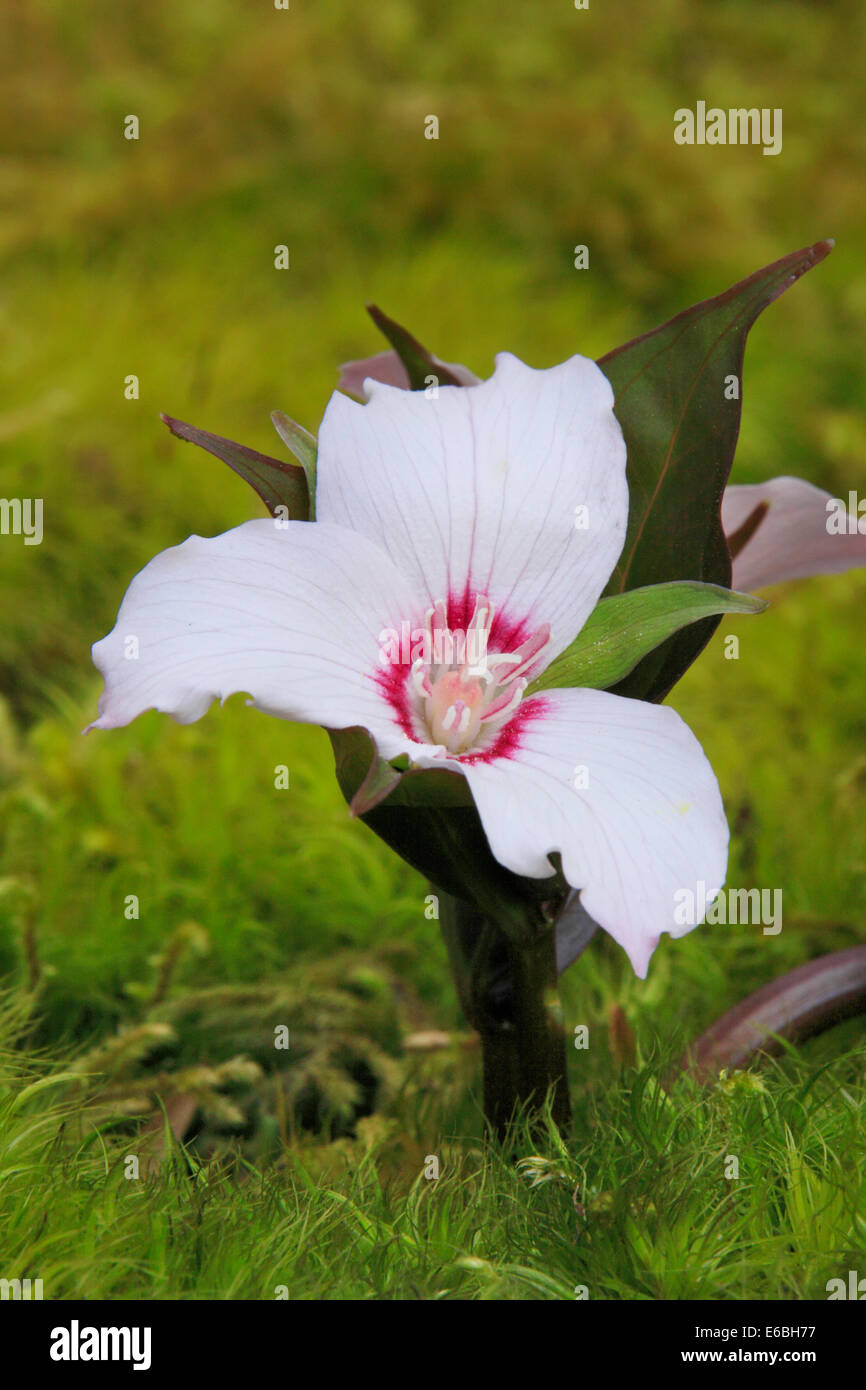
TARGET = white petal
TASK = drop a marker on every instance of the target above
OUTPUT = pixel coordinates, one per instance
(477, 490)
(649, 824)
(289, 613)
(792, 541)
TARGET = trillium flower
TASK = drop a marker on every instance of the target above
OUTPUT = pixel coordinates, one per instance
(461, 542)
(798, 534)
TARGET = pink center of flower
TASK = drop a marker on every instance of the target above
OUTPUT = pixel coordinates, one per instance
(460, 694)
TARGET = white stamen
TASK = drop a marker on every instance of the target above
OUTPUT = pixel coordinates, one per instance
(418, 678)
(449, 717)
(460, 693)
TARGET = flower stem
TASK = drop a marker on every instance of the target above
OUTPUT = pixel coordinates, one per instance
(508, 991)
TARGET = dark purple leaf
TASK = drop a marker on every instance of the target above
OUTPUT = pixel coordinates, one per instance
(419, 363)
(277, 483)
(793, 1008)
(681, 432)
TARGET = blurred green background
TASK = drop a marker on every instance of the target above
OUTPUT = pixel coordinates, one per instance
(155, 257)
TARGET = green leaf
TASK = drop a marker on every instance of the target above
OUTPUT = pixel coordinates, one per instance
(681, 432)
(624, 628)
(419, 363)
(277, 483)
(43, 1084)
(303, 445)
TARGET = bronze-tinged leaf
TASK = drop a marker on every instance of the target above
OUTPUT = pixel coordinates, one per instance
(792, 1008)
(681, 431)
(419, 363)
(277, 483)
